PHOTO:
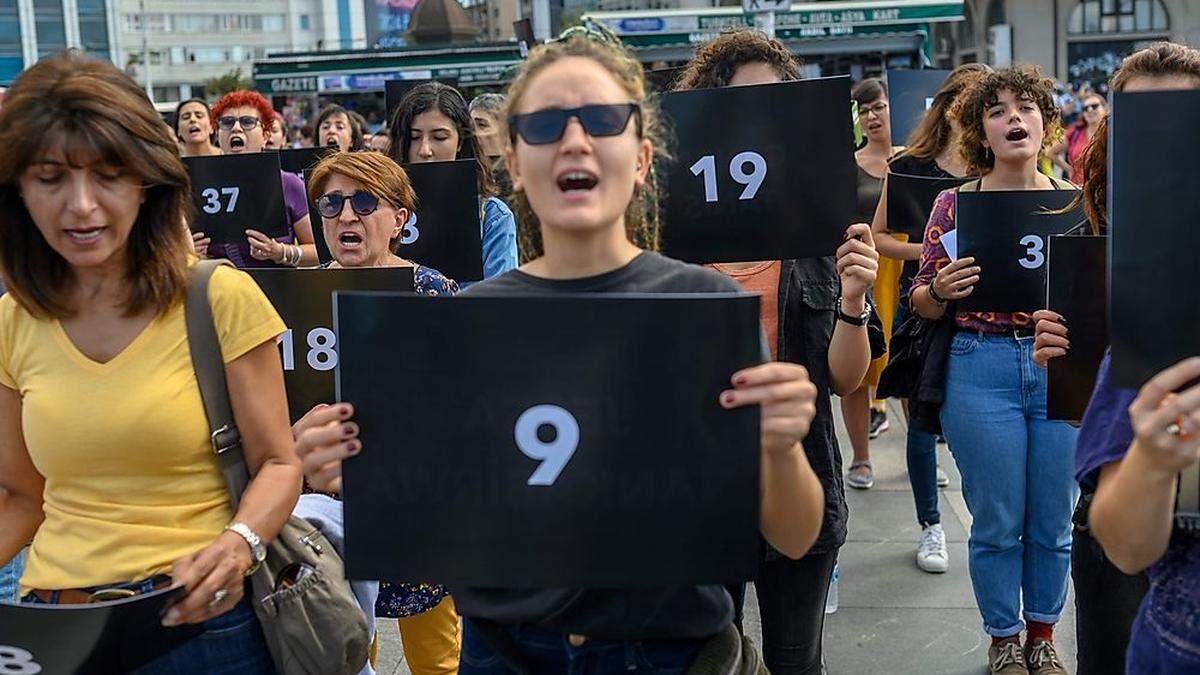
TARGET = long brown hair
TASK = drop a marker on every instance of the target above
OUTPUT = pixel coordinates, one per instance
(1159, 60)
(449, 102)
(92, 111)
(641, 215)
(933, 133)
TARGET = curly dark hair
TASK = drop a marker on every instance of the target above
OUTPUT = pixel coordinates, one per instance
(1026, 82)
(716, 60)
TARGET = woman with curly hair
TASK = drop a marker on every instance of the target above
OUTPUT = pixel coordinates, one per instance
(791, 593)
(1016, 465)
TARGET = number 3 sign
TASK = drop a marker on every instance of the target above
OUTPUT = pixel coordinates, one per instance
(754, 184)
(1006, 231)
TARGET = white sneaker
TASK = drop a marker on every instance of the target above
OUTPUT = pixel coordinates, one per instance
(943, 480)
(932, 556)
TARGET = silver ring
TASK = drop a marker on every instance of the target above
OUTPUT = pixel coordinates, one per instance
(218, 598)
(1174, 429)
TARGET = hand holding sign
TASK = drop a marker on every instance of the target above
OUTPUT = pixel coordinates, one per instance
(200, 244)
(857, 262)
(788, 399)
(324, 437)
(1166, 426)
(956, 280)
(1050, 337)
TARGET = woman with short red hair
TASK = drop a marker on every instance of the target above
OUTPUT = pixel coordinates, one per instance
(241, 119)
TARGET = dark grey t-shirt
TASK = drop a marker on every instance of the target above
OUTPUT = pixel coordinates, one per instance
(690, 612)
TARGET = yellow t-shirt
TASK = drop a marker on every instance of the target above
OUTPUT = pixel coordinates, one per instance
(131, 480)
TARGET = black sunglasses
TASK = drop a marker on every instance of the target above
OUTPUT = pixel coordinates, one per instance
(547, 126)
(247, 121)
(361, 202)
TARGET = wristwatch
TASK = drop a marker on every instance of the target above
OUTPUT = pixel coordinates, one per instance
(258, 552)
(854, 320)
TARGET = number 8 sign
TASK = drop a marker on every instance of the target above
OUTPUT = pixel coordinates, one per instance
(17, 661)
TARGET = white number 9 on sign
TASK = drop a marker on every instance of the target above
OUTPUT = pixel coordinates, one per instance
(1034, 258)
(556, 453)
(17, 661)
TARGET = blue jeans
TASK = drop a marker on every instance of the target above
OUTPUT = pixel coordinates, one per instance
(921, 453)
(547, 651)
(1017, 471)
(10, 577)
(231, 644)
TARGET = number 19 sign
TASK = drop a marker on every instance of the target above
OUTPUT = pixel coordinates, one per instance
(761, 173)
(309, 349)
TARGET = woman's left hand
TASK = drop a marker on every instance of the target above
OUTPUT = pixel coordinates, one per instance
(220, 566)
(857, 262)
(788, 399)
(263, 247)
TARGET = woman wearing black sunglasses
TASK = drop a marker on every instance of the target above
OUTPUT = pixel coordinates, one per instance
(241, 118)
(583, 139)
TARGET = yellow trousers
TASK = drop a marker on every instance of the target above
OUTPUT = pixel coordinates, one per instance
(432, 640)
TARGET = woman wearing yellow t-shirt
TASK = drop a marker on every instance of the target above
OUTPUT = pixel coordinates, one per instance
(105, 460)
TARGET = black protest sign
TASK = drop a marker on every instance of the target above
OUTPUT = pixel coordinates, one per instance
(1005, 231)
(1076, 289)
(444, 233)
(318, 226)
(750, 182)
(235, 193)
(910, 201)
(910, 93)
(304, 300)
(300, 160)
(103, 638)
(621, 470)
(394, 91)
(1154, 196)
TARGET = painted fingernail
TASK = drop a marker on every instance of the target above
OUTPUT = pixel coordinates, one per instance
(740, 380)
(344, 410)
(1062, 320)
(727, 398)
(355, 447)
(348, 430)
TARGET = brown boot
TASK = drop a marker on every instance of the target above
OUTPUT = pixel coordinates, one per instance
(1005, 657)
(1041, 658)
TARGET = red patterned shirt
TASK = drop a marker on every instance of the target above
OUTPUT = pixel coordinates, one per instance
(934, 258)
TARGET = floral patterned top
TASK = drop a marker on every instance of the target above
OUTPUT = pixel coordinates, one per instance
(934, 258)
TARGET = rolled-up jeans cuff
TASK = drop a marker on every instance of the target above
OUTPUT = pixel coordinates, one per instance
(1043, 618)
(1005, 632)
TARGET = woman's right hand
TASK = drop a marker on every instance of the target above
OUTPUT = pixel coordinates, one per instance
(200, 244)
(324, 437)
(1166, 425)
(956, 280)
(1049, 337)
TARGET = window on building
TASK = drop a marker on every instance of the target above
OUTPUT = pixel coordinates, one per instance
(276, 23)
(11, 59)
(1118, 16)
(304, 22)
(93, 27)
(154, 23)
(48, 24)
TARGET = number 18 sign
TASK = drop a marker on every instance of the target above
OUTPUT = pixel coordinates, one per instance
(761, 173)
(304, 300)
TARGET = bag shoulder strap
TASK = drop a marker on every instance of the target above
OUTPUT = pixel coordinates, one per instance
(971, 186)
(205, 349)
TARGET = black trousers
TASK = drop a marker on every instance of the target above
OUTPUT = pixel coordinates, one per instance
(791, 601)
(1106, 602)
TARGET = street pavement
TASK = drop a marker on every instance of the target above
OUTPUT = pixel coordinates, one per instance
(892, 617)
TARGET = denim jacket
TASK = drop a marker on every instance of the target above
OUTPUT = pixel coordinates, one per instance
(809, 289)
(498, 229)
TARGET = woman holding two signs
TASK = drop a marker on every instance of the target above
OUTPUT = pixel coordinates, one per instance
(1016, 465)
(432, 124)
(242, 117)
(364, 199)
(583, 137)
(106, 458)
(801, 327)
(1108, 461)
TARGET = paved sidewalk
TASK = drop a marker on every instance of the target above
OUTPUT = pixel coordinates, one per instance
(892, 617)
